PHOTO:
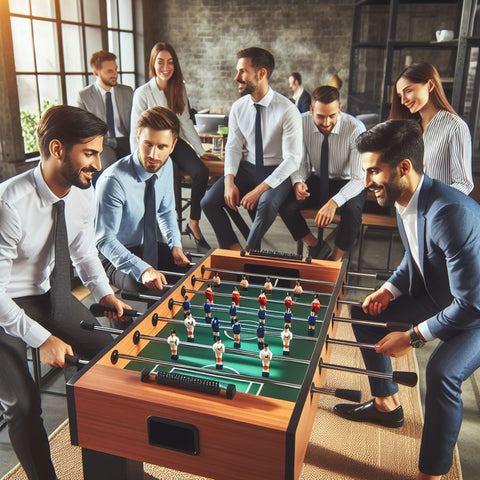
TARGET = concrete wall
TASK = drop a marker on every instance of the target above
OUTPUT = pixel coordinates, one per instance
(312, 36)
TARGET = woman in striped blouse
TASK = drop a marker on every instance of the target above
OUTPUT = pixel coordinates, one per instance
(448, 144)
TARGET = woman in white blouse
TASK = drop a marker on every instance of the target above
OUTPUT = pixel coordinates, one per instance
(448, 144)
(166, 88)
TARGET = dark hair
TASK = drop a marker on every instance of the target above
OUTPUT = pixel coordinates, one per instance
(325, 94)
(159, 118)
(175, 86)
(296, 77)
(395, 140)
(419, 73)
(260, 58)
(99, 57)
(69, 125)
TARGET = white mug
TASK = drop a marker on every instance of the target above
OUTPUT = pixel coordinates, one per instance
(444, 35)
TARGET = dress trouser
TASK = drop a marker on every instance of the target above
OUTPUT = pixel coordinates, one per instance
(187, 160)
(213, 204)
(351, 212)
(451, 363)
(20, 396)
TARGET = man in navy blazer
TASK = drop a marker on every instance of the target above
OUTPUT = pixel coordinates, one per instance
(301, 98)
(435, 289)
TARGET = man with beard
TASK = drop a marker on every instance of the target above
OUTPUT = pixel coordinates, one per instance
(434, 288)
(31, 310)
(111, 102)
(338, 186)
(128, 226)
(269, 126)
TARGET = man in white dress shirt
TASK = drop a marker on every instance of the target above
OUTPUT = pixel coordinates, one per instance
(270, 127)
(70, 141)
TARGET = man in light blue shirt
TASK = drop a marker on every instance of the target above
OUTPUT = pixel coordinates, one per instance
(270, 127)
(123, 218)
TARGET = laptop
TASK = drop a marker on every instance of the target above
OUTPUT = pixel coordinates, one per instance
(208, 123)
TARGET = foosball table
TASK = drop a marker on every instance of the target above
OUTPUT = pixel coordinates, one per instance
(167, 394)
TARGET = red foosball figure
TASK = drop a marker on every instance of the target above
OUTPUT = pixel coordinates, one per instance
(316, 304)
(236, 296)
(209, 293)
(288, 302)
(262, 299)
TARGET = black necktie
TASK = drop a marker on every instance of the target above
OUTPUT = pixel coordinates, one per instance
(149, 247)
(259, 171)
(324, 187)
(110, 118)
(60, 279)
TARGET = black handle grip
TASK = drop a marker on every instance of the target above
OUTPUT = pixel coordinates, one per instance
(98, 310)
(75, 361)
(351, 395)
(140, 297)
(409, 379)
(397, 326)
(383, 276)
(87, 324)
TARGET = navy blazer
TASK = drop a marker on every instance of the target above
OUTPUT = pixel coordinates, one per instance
(304, 102)
(448, 224)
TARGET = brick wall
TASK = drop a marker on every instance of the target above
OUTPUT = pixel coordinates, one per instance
(310, 36)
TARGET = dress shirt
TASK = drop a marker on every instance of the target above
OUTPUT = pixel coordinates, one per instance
(448, 151)
(344, 161)
(26, 248)
(409, 215)
(298, 94)
(148, 96)
(281, 136)
(120, 192)
(116, 116)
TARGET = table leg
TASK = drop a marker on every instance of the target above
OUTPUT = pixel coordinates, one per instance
(99, 466)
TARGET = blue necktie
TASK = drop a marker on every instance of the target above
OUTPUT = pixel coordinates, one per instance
(324, 186)
(259, 170)
(60, 279)
(149, 247)
(110, 118)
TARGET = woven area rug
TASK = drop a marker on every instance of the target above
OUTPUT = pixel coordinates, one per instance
(338, 449)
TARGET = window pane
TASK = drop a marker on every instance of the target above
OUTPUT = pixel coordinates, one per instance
(50, 91)
(70, 10)
(93, 40)
(19, 6)
(126, 47)
(74, 84)
(128, 79)
(46, 50)
(72, 48)
(43, 8)
(113, 43)
(91, 11)
(112, 21)
(125, 14)
(22, 45)
(27, 93)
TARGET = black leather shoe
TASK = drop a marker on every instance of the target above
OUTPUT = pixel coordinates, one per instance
(367, 412)
(319, 251)
(202, 243)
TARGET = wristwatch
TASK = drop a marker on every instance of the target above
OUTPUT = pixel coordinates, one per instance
(415, 340)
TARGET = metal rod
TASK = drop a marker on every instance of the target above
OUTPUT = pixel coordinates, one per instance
(351, 343)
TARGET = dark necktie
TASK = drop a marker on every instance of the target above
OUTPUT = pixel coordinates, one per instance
(149, 247)
(259, 170)
(110, 118)
(60, 279)
(324, 187)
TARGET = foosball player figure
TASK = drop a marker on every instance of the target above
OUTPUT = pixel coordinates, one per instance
(268, 287)
(286, 337)
(207, 308)
(219, 349)
(216, 280)
(186, 306)
(261, 335)
(244, 283)
(209, 293)
(316, 304)
(236, 333)
(266, 355)
(233, 312)
(190, 324)
(288, 302)
(262, 313)
(262, 299)
(287, 317)
(297, 290)
(173, 341)
(312, 320)
(216, 328)
(236, 296)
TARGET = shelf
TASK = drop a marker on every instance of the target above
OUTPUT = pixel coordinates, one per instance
(398, 44)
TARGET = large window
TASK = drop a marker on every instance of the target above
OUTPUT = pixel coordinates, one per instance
(53, 41)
